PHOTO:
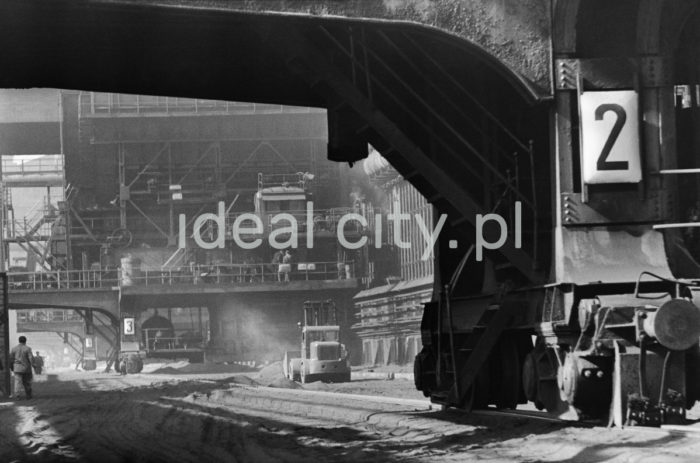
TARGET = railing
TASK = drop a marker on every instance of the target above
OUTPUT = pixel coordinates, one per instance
(62, 279)
(323, 220)
(384, 317)
(156, 341)
(297, 179)
(48, 316)
(108, 104)
(46, 164)
(243, 273)
(221, 274)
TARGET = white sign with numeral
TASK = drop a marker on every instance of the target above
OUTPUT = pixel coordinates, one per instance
(610, 137)
(129, 326)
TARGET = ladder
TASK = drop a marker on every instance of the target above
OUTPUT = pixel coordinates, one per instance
(662, 226)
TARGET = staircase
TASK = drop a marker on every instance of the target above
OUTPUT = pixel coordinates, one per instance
(42, 233)
(108, 330)
(77, 346)
(179, 258)
(459, 153)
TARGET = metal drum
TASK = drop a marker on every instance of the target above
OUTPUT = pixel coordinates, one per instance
(131, 270)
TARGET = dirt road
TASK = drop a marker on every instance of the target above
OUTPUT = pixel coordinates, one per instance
(174, 417)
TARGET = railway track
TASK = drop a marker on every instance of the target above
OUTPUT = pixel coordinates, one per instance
(373, 405)
(188, 418)
(498, 414)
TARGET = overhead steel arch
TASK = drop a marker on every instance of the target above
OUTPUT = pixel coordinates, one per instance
(132, 47)
(442, 109)
(598, 28)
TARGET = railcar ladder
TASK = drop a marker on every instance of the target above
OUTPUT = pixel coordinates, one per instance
(480, 344)
(661, 226)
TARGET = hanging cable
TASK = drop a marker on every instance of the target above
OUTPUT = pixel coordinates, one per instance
(642, 365)
(663, 376)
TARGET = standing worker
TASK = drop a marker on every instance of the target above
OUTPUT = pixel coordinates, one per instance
(38, 363)
(277, 260)
(286, 266)
(21, 360)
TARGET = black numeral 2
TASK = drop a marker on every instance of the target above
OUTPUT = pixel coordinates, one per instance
(603, 163)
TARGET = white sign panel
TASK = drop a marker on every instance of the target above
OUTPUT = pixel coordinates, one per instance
(610, 137)
(129, 326)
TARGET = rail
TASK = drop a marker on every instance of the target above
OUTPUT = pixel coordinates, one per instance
(219, 274)
(115, 104)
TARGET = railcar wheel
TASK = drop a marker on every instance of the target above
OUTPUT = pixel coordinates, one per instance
(548, 388)
(424, 372)
(585, 383)
(134, 364)
(540, 380)
(568, 378)
(89, 365)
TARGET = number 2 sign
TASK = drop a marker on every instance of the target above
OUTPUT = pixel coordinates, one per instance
(610, 137)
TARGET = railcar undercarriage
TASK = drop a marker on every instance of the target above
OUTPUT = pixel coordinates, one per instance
(594, 352)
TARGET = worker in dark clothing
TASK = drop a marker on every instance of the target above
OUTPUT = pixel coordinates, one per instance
(21, 361)
(38, 363)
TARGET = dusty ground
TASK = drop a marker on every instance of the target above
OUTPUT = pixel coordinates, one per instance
(181, 413)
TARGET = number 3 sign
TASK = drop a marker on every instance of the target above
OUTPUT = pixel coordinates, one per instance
(610, 137)
(129, 326)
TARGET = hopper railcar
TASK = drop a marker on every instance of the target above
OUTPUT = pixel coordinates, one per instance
(605, 275)
(611, 330)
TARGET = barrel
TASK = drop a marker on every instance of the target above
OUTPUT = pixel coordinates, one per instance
(676, 324)
(131, 270)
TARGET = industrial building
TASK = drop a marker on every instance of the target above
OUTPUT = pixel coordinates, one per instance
(138, 171)
(100, 188)
(390, 313)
